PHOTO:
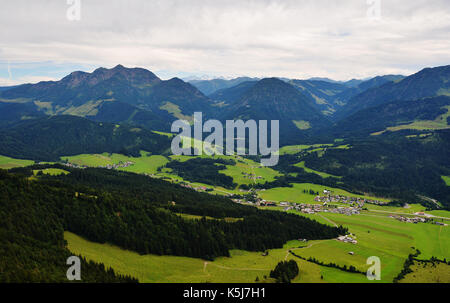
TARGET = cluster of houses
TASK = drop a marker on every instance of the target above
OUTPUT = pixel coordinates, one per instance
(347, 239)
(196, 188)
(359, 202)
(316, 208)
(118, 165)
(109, 166)
(74, 165)
(409, 219)
(258, 202)
(251, 176)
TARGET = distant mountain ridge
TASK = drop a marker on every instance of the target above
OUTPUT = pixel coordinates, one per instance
(429, 82)
(326, 96)
(424, 114)
(97, 94)
(209, 87)
(136, 96)
(274, 99)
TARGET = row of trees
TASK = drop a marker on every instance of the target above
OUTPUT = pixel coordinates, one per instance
(351, 268)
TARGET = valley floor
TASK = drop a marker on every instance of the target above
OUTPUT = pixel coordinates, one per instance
(377, 235)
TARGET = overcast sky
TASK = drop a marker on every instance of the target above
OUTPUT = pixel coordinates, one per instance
(339, 39)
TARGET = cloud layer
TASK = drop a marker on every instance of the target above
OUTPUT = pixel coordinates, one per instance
(285, 38)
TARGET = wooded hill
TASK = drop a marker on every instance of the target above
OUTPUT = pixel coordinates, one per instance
(132, 211)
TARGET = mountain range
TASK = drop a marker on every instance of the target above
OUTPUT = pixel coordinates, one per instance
(305, 108)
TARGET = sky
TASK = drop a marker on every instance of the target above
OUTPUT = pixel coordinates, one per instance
(339, 39)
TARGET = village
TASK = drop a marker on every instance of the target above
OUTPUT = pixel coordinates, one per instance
(409, 219)
(118, 165)
(196, 188)
(108, 166)
(329, 198)
(251, 176)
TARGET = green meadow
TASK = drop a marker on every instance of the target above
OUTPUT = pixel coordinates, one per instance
(428, 273)
(146, 163)
(385, 237)
(296, 194)
(377, 235)
(243, 166)
(7, 162)
(51, 171)
(446, 180)
(294, 149)
(241, 267)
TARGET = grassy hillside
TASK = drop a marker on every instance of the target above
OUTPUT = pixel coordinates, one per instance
(296, 194)
(377, 235)
(7, 162)
(428, 273)
(240, 267)
(146, 163)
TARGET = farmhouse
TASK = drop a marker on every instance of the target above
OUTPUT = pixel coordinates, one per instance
(347, 239)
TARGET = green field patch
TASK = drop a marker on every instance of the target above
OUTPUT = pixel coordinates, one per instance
(296, 194)
(439, 213)
(380, 236)
(240, 267)
(170, 135)
(195, 217)
(301, 124)
(176, 111)
(146, 163)
(446, 180)
(439, 123)
(51, 171)
(7, 162)
(246, 171)
(308, 170)
(293, 149)
(88, 109)
(427, 272)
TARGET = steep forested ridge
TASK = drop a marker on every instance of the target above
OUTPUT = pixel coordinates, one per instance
(32, 247)
(49, 138)
(102, 206)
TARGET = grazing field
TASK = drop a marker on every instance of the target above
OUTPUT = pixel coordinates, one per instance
(176, 111)
(241, 267)
(294, 149)
(386, 210)
(7, 162)
(146, 163)
(51, 171)
(296, 194)
(427, 272)
(387, 238)
(301, 124)
(261, 174)
(439, 123)
(377, 235)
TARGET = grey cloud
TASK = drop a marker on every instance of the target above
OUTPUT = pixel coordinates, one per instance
(291, 38)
